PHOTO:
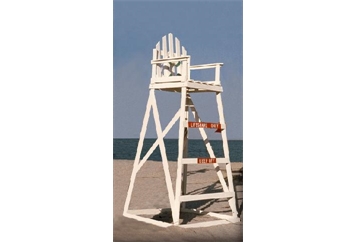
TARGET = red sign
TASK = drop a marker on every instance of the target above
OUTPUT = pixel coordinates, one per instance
(206, 160)
(216, 126)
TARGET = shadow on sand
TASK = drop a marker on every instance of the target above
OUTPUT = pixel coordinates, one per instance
(166, 216)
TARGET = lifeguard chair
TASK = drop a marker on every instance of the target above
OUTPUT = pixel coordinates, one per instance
(171, 72)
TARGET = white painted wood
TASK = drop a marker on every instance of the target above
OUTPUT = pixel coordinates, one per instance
(148, 220)
(165, 67)
(144, 211)
(168, 60)
(158, 68)
(198, 197)
(205, 66)
(164, 47)
(184, 52)
(159, 138)
(203, 86)
(207, 144)
(170, 45)
(154, 67)
(166, 79)
(217, 75)
(232, 219)
(185, 151)
(176, 208)
(178, 53)
(167, 85)
(139, 149)
(177, 47)
(163, 151)
(232, 201)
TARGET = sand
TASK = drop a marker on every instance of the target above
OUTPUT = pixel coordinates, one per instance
(150, 192)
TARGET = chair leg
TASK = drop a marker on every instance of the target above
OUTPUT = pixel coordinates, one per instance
(231, 187)
(138, 152)
(176, 208)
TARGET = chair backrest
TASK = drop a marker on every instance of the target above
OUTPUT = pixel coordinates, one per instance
(169, 61)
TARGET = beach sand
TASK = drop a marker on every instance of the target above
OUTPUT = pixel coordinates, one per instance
(150, 192)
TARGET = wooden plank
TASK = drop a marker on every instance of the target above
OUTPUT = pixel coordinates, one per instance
(178, 191)
(178, 53)
(144, 211)
(167, 85)
(155, 144)
(164, 47)
(185, 152)
(231, 201)
(158, 48)
(163, 151)
(217, 75)
(148, 220)
(167, 60)
(139, 149)
(205, 66)
(203, 87)
(158, 68)
(177, 47)
(170, 46)
(199, 197)
(232, 219)
(184, 52)
(154, 66)
(166, 79)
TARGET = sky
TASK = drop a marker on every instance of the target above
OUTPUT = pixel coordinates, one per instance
(210, 31)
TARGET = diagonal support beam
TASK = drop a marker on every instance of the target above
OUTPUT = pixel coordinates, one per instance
(159, 138)
(163, 152)
(139, 149)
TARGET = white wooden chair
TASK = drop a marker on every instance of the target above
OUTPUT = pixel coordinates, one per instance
(171, 72)
(171, 69)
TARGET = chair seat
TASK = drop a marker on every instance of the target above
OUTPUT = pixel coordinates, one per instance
(211, 83)
(192, 86)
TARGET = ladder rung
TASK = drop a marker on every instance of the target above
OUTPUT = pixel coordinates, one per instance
(208, 161)
(186, 198)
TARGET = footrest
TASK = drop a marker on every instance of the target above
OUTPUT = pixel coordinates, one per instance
(186, 198)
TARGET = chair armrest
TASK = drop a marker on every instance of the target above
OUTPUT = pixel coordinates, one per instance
(205, 66)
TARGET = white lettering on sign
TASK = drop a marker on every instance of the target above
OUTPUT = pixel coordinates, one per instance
(206, 160)
(197, 125)
(216, 126)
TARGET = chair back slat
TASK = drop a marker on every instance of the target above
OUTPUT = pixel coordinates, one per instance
(170, 45)
(157, 71)
(177, 46)
(184, 52)
(164, 47)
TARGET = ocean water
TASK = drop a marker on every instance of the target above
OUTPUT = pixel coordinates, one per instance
(126, 149)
